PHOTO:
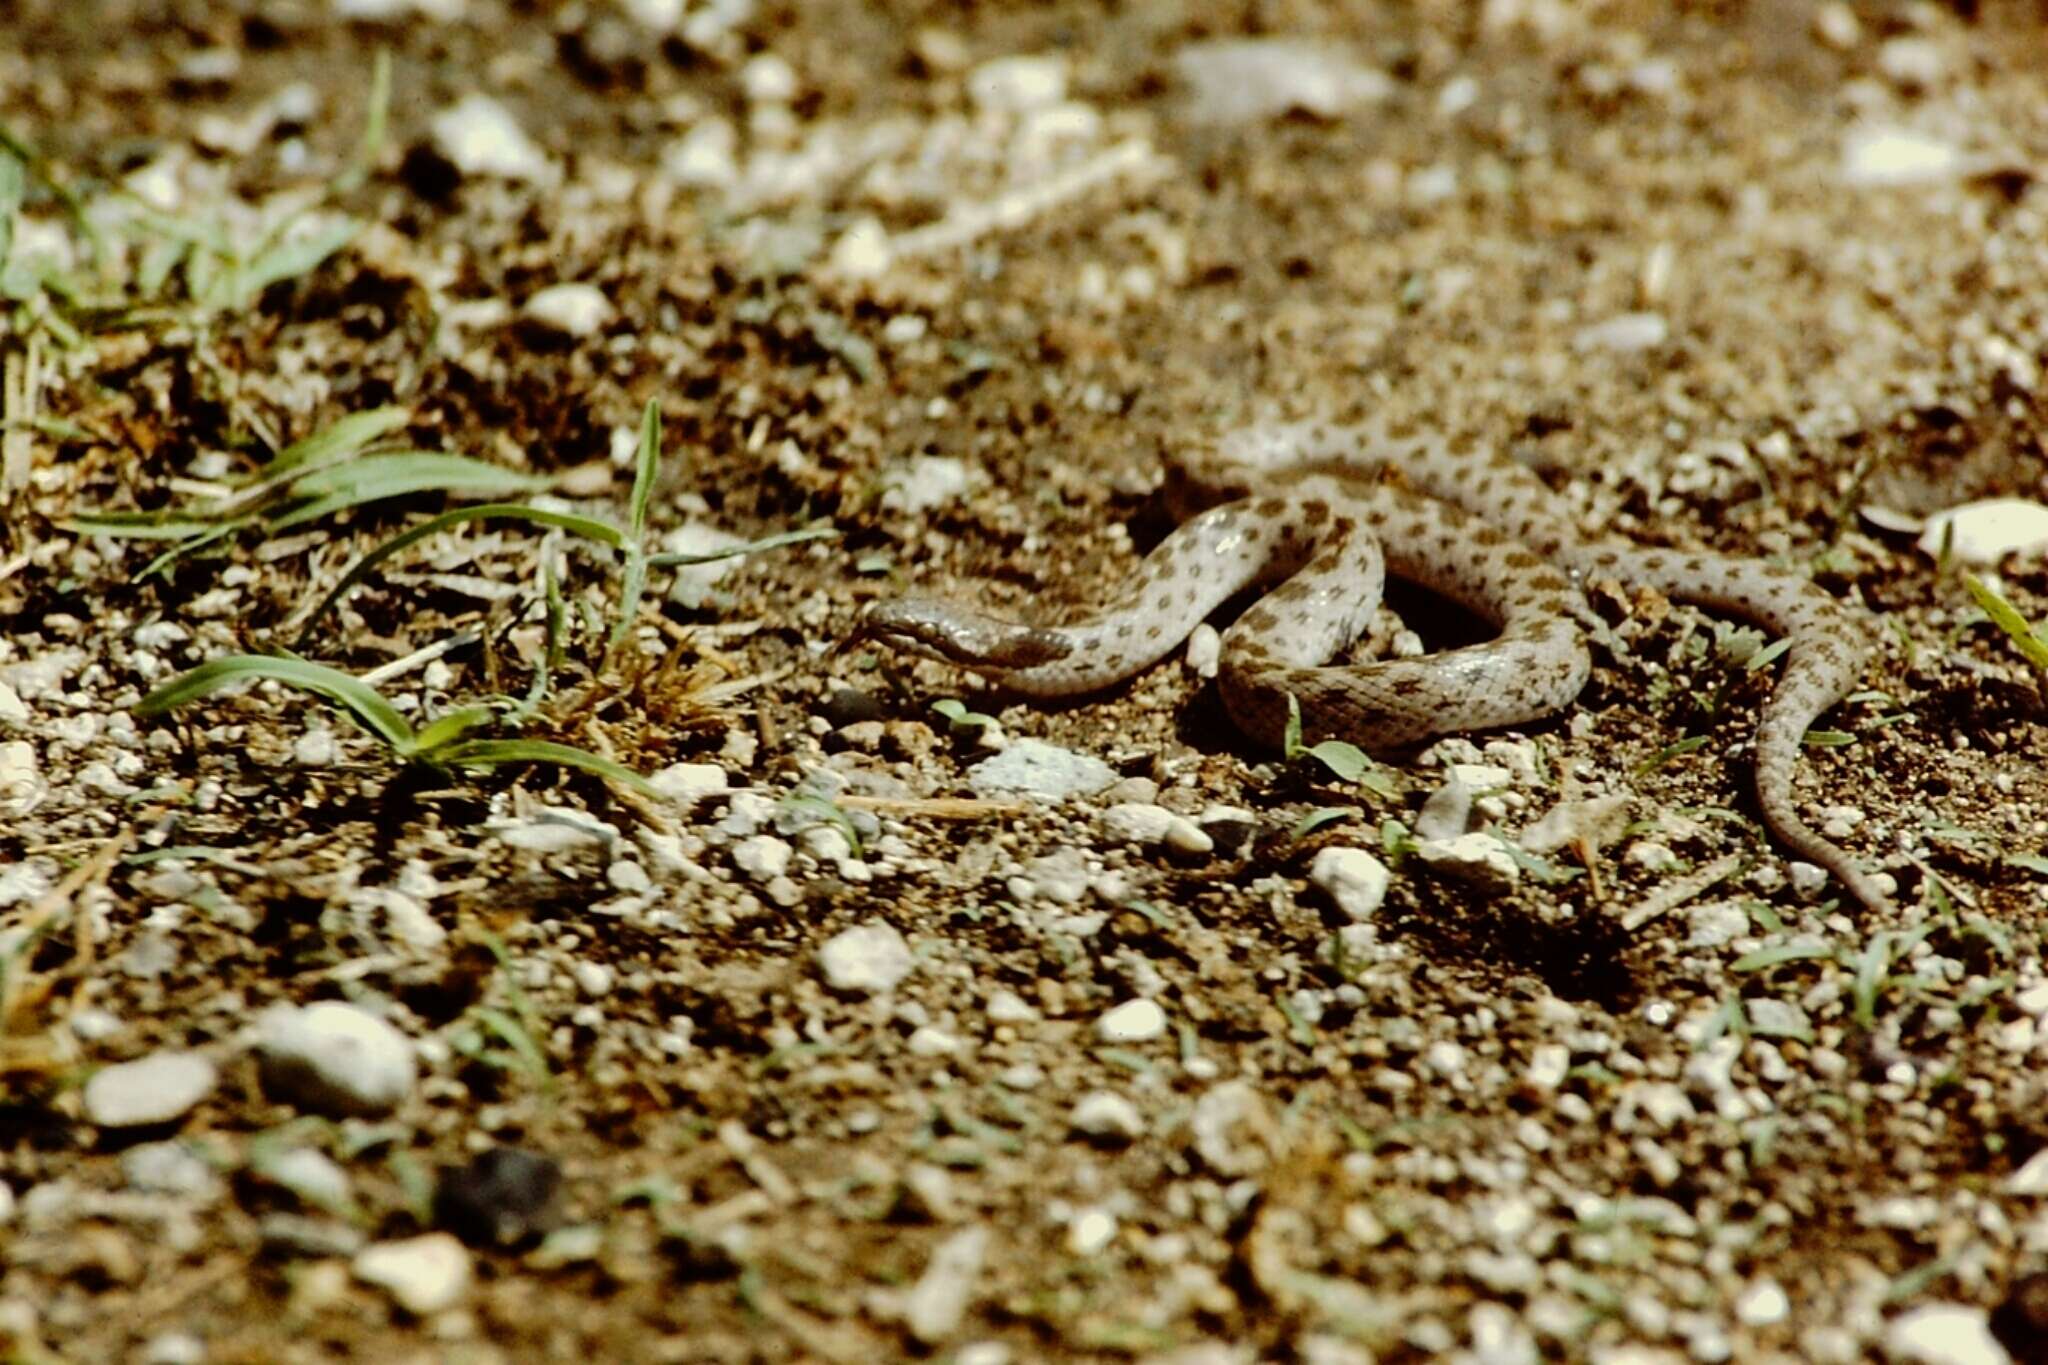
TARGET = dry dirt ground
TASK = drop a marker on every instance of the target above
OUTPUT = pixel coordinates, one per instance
(949, 280)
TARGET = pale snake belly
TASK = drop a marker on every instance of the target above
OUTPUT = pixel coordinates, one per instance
(1307, 506)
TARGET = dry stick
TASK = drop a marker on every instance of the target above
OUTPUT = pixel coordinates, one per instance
(933, 807)
(1670, 897)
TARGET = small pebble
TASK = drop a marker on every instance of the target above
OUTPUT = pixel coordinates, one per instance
(1134, 1021)
(423, 1275)
(573, 310)
(1108, 1117)
(505, 1197)
(1034, 768)
(480, 136)
(866, 960)
(334, 1058)
(1352, 878)
(938, 1302)
(157, 1089)
(1943, 1334)
(1478, 860)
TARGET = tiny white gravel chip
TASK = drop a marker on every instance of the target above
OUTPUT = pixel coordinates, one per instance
(1352, 878)
(423, 1275)
(334, 1058)
(156, 1089)
(1763, 1304)
(867, 959)
(1134, 1021)
(1090, 1231)
(572, 309)
(1108, 1117)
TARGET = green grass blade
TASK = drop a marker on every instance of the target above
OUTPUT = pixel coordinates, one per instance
(601, 531)
(378, 119)
(373, 478)
(646, 464)
(344, 437)
(2008, 619)
(185, 547)
(377, 714)
(632, 587)
(489, 753)
(443, 731)
(290, 258)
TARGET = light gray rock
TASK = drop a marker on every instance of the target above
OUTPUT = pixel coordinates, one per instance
(156, 1089)
(1032, 767)
(423, 1275)
(334, 1058)
(938, 1302)
(867, 959)
(1352, 878)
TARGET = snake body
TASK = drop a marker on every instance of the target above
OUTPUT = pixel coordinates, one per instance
(1309, 507)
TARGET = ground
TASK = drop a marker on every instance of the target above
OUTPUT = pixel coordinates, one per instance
(950, 281)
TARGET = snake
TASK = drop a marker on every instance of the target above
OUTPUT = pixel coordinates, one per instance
(1318, 513)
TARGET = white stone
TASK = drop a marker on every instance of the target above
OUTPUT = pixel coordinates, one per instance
(334, 1058)
(574, 310)
(688, 783)
(2031, 1179)
(423, 1275)
(925, 482)
(1108, 1117)
(1762, 1304)
(1035, 768)
(1548, 1065)
(1883, 157)
(1090, 1231)
(763, 857)
(867, 959)
(705, 157)
(1204, 651)
(1134, 1021)
(156, 1089)
(1478, 860)
(1911, 62)
(13, 710)
(768, 79)
(932, 1041)
(1008, 1007)
(1980, 534)
(1247, 80)
(1624, 333)
(310, 1174)
(1943, 1334)
(479, 136)
(1140, 822)
(1018, 85)
(1352, 878)
(936, 1304)
(594, 979)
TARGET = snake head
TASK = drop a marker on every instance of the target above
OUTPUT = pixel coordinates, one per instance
(957, 635)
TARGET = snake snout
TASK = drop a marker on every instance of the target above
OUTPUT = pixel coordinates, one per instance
(942, 630)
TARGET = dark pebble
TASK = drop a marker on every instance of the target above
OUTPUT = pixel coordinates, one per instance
(849, 706)
(504, 1198)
